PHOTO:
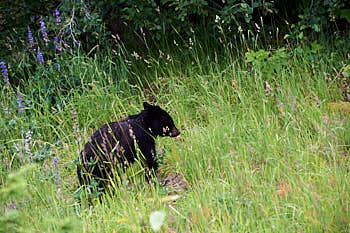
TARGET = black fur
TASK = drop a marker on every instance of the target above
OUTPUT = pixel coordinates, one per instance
(113, 145)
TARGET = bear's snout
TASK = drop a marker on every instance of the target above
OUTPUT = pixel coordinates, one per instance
(174, 132)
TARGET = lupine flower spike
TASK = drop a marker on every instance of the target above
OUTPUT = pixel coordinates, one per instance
(43, 30)
(31, 39)
(55, 163)
(20, 103)
(58, 48)
(57, 177)
(5, 74)
(58, 18)
(40, 57)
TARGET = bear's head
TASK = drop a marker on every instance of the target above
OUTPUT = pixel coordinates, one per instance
(160, 122)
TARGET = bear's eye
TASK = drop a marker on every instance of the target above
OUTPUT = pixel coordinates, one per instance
(165, 121)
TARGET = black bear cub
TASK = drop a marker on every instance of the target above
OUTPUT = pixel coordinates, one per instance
(113, 145)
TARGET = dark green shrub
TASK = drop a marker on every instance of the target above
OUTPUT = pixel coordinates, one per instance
(318, 16)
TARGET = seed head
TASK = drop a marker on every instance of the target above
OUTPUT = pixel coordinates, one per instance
(27, 144)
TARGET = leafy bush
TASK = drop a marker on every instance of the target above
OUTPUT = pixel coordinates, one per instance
(83, 22)
(267, 62)
(163, 17)
(317, 16)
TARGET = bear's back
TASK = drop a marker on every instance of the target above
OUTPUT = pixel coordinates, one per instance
(111, 141)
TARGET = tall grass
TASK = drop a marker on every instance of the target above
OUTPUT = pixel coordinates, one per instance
(260, 149)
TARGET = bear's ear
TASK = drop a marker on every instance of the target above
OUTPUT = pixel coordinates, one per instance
(146, 105)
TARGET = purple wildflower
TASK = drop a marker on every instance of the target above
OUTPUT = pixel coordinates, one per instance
(57, 177)
(5, 74)
(40, 57)
(13, 205)
(31, 39)
(57, 44)
(58, 18)
(57, 180)
(43, 30)
(20, 103)
(55, 163)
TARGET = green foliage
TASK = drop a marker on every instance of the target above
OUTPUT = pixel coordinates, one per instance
(82, 30)
(43, 37)
(14, 191)
(76, 19)
(16, 186)
(162, 17)
(317, 16)
(267, 62)
(83, 23)
(66, 225)
(346, 71)
(237, 12)
(15, 17)
(11, 222)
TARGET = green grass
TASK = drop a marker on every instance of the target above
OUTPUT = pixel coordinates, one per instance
(255, 160)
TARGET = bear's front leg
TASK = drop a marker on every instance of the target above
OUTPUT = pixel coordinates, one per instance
(151, 167)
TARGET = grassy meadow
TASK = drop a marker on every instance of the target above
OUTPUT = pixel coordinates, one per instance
(264, 144)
